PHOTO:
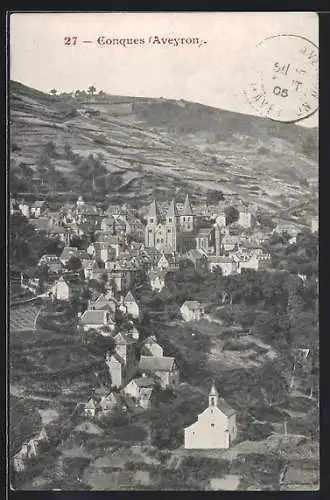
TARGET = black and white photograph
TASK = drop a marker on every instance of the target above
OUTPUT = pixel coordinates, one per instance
(163, 179)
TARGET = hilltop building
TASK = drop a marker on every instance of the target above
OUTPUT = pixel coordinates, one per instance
(215, 427)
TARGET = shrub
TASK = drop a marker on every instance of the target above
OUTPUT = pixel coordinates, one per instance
(258, 431)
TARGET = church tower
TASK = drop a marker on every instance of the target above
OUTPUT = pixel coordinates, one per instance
(187, 218)
(218, 240)
(213, 396)
(151, 227)
(171, 227)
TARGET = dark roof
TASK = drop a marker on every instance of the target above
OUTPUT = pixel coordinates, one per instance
(172, 210)
(129, 297)
(153, 210)
(93, 317)
(40, 224)
(220, 259)
(144, 381)
(187, 210)
(192, 304)
(204, 231)
(69, 252)
(225, 408)
(154, 363)
(38, 204)
(195, 254)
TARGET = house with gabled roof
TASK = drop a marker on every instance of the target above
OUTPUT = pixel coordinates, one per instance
(123, 362)
(52, 262)
(109, 402)
(140, 389)
(192, 310)
(163, 367)
(215, 427)
(198, 258)
(168, 262)
(64, 289)
(228, 265)
(151, 347)
(98, 320)
(128, 305)
(125, 347)
(38, 208)
(90, 408)
(103, 302)
(117, 372)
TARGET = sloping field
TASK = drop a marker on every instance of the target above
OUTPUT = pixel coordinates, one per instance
(23, 318)
(168, 143)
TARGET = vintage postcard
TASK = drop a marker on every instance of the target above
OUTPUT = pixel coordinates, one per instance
(163, 251)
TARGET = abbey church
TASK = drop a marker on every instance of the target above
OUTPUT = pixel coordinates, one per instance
(177, 230)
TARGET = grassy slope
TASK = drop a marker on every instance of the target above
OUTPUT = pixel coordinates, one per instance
(166, 145)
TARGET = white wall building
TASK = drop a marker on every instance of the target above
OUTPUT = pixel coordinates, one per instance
(215, 427)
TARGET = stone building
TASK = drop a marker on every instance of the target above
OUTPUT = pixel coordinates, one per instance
(171, 231)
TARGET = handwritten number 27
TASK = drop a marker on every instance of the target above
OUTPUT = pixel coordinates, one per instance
(70, 40)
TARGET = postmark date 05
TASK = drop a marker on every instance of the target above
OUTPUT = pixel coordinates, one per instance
(70, 40)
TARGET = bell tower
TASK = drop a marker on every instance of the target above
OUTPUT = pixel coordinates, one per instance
(171, 227)
(187, 218)
(150, 230)
(213, 396)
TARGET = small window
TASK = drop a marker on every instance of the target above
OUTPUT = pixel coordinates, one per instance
(169, 230)
(151, 221)
(193, 433)
(157, 240)
(184, 219)
(212, 425)
(212, 401)
(162, 241)
(170, 219)
(150, 231)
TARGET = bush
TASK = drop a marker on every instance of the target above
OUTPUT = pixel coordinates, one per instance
(258, 431)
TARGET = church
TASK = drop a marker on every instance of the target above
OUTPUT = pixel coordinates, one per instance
(173, 231)
(215, 427)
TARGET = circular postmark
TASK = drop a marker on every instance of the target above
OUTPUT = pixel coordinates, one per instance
(283, 85)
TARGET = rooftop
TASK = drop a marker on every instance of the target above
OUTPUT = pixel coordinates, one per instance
(192, 304)
(91, 317)
(154, 363)
(144, 381)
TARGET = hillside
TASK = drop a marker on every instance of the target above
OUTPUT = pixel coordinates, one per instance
(158, 146)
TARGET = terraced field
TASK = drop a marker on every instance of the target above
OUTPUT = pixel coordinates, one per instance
(169, 144)
(23, 318)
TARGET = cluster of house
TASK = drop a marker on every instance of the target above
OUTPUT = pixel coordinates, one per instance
(123, 243)
(123, 246)
(137, 369)
(80, 219)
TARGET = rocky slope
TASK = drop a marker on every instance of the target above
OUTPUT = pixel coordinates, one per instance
(160, 146)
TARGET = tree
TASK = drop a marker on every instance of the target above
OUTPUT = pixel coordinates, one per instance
(53, 92)
(91, 90)
(50, 149)
(74, 263)
(232, 215)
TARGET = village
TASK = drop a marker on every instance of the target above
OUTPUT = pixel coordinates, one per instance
(106, 258)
